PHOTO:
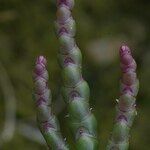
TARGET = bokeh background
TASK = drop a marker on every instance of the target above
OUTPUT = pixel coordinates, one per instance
(27, 30)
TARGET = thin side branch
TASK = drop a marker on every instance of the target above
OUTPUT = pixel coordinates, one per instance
(10, 106)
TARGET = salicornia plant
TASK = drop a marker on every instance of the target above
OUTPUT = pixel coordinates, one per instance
(75, 89)
(47, 122)
(76, 93)
(126, 107)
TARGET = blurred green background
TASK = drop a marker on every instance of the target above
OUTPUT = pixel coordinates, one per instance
(27, 30)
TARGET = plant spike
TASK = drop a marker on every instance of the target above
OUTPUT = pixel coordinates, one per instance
(47, 122)
(75, 89)
(126, 107)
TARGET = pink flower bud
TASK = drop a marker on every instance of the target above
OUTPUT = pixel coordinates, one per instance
(125, 55)
(67, 3)
(41, 60)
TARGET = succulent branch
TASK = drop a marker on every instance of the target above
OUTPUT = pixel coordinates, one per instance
(75, 89)
(47, 122)
(126, 107)
(76, 92)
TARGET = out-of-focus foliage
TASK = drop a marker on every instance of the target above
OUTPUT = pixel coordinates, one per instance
(26, 30)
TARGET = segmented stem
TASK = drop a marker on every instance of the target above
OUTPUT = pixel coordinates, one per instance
(126, 107)
(75, 89)
(47, 122)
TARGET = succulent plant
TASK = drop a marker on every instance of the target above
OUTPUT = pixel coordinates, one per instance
(126, 107)
(76, 92)
(47, 121)
(75, 89)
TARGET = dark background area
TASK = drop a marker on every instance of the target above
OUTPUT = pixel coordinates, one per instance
(27, 30)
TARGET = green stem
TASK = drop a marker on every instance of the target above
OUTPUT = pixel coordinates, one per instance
(75, 89)
(47, 122)
(126, 107)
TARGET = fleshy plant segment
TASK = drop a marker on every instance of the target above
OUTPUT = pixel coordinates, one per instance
(126, 107)
(76, 92)
(75, 89)
(47, 122)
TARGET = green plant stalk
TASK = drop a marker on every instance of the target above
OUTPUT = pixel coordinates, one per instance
(47, 122)
(75, 89)
(126, 107)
